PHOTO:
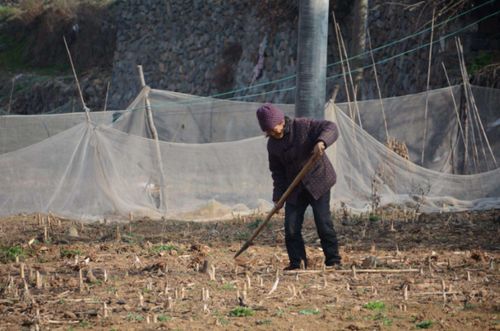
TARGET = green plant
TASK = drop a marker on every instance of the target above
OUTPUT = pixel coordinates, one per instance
(314, 311)
(382, 317)
(479, 62)
(374, 305)
(255, 224)
(69, 253)
(374, 218)
(134, 317)
(242, 235)
(9, 254)
(280, 312)
(164, 248)
(424, 324)
(220, 318)
(241, 312)
(228, 286)
(84, 324)
(7, 12)
(164, 318)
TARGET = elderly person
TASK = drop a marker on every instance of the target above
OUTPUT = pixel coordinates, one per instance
(290, 145)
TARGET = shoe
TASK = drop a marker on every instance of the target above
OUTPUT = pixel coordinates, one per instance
(335, 266)
(292, 267)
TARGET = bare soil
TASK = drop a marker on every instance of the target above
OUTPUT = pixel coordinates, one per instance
(159, 275)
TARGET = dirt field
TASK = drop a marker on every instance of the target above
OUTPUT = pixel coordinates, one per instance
(152, 275)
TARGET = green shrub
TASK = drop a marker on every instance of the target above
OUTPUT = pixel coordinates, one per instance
(424, 324)
(9, 254)
(374, 305)
(241, 312)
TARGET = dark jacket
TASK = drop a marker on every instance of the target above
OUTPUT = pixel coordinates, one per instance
(288, 155)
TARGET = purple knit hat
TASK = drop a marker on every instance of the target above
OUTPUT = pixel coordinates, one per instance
(269, 116)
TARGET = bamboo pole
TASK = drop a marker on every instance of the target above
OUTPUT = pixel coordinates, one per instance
(154, 133)
(77, 82)
(348, 96)
(354, 98)
(468, 104)
(378, 86)
(106, 98)
(427, 88)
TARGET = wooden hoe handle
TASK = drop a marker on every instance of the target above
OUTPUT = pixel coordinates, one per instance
(281, 201)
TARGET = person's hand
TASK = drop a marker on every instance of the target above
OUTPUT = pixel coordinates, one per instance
(319, 148)
(278, 206)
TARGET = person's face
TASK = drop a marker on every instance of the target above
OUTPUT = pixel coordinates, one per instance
(277, 132)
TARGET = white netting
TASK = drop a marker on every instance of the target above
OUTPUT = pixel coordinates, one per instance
(18, 131)
(214, 162)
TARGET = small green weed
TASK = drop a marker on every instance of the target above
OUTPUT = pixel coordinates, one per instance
(9, 254)
(374, 218)
(424, 324)
(241, 312)
(134, 317)
(84, 324)
(164, 248)
(374, 305)
(280, 312)
(382, 317)
(309, 311)
(69, 253)
(164, 318)
(228, 286)
(255, 224)
(242, 235)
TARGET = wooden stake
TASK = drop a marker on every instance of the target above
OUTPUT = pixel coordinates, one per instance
(170, 303)
(141, 300)
(45, 234)
(22, 270)
(443, 287)
(105, 310)
(468, 276)
(80, 273)
(38, 280)
(105, 276)
(405, 292)
(275, 285)
(212, 274)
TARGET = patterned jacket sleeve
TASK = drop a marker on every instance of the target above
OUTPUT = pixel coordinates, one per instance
(325, 131)
(279, 176)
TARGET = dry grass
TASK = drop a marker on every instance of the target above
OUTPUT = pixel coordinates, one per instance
(152, 276)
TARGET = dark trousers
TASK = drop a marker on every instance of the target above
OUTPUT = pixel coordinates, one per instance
(294, 218)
